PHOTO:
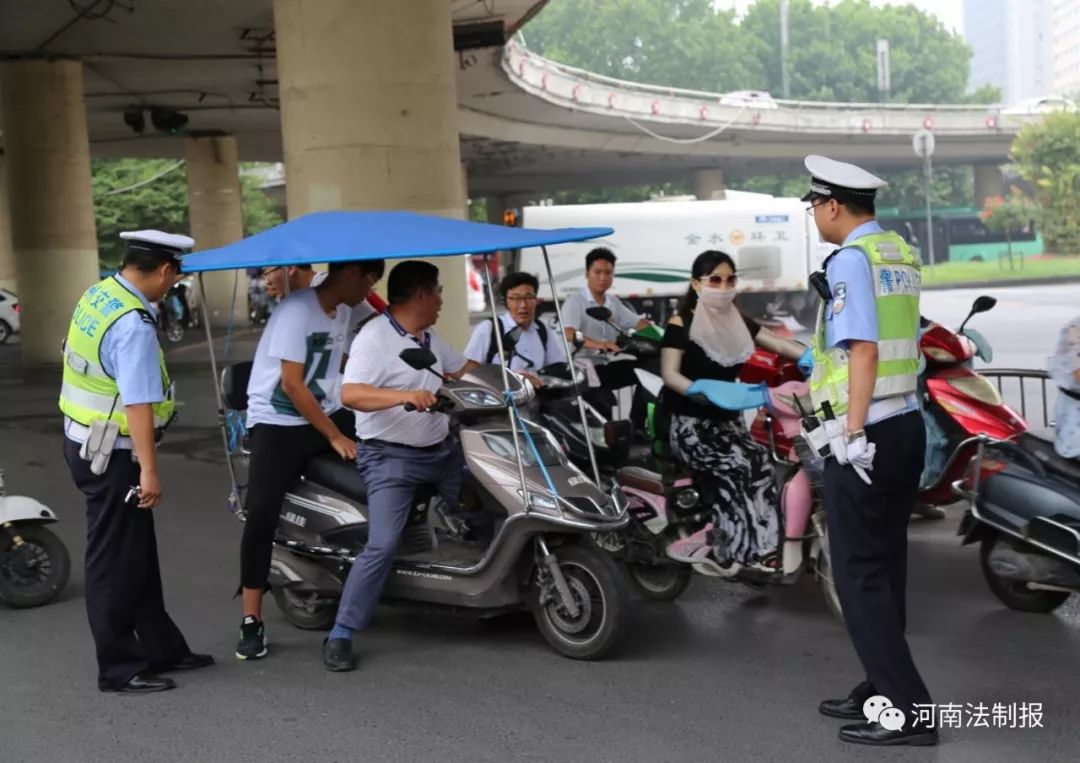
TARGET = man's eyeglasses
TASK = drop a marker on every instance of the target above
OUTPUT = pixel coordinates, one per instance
(718, 281)
(519, 298)
(814, 205)
(269, 271)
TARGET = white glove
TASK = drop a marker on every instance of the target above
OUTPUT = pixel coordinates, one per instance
(860, 454)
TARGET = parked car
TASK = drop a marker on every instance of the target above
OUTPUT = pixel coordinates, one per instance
(755, 99)
(1045, 104)
(9, 315)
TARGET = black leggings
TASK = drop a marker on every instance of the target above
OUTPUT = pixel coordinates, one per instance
(277, 455)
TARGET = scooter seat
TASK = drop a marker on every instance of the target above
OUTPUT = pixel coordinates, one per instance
(641, 479)
(1043, 450)
(330, 471)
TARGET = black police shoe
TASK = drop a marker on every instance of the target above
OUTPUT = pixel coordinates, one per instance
(191, 661)
(145, 683)
(877, 735)
(849, 708)
(338, 656)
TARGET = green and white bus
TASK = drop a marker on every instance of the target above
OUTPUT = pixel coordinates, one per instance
(961, 236)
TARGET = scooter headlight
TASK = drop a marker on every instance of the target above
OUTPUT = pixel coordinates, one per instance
(480, 398)
(542, 501)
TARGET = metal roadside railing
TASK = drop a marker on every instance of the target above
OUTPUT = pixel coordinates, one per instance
(1027, 390)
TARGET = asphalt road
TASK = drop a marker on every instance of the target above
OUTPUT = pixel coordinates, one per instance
(725, 673)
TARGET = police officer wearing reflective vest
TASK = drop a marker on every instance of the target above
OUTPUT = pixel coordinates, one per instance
(866, 361)
(117, 400)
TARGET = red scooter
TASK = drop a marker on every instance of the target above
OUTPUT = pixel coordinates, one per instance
(959, 405)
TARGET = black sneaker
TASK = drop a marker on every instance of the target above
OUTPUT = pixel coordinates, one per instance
(252, 644)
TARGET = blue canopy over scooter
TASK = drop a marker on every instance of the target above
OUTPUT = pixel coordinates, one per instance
(345, 236)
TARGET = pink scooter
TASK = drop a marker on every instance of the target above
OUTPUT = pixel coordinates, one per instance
(669, 509)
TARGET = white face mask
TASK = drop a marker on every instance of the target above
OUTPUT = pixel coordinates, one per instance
(717, 299)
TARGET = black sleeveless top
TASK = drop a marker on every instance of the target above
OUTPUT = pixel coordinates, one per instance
(697, 365)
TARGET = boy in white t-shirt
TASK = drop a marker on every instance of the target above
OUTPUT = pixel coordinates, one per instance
(398, 450)
(294, 412)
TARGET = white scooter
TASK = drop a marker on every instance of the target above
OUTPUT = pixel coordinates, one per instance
(34, 562)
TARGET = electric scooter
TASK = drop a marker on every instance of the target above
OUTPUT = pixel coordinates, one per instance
(34, 562)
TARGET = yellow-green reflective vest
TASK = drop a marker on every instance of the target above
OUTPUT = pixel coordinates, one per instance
(89, 393)
(897, 283)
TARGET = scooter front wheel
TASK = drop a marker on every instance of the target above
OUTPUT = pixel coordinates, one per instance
(35, 572)
(599, 593)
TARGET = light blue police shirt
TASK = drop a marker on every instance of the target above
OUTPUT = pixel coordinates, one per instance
(129, 353)
(851, 313)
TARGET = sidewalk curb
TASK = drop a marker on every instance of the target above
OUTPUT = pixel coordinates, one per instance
(1046, 281)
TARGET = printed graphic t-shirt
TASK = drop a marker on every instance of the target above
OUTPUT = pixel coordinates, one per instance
(298, 331)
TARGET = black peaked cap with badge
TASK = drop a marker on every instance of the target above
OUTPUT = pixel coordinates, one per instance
(830, 179)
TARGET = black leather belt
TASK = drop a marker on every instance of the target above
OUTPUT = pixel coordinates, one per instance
(385, 444)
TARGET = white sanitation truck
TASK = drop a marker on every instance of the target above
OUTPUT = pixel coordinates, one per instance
(773, 241)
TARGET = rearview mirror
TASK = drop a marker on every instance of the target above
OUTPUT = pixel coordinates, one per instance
(981, 305)
(599, 313)
(420, 358)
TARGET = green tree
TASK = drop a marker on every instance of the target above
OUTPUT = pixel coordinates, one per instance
(1047, 155)
(1009, 216)
(152, 193)
(679, 43)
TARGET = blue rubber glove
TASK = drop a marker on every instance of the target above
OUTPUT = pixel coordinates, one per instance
(806, 362)
(731, 396)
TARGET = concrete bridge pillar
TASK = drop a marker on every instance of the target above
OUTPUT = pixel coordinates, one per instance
(50, 198)
(708, 184)
(7, 254)
(217, 218)
(369, 116)
(988, 183)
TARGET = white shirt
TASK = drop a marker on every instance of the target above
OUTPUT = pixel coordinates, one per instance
(360, 313)
(575, 317)
(301, 332)
(529, 346)
(373, 360)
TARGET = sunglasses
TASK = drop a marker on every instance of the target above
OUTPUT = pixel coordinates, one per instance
(718, 281)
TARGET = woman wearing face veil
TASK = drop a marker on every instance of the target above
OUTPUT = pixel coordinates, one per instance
(704, 347)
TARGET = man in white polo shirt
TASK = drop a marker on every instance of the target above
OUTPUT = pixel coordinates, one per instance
(397, 450)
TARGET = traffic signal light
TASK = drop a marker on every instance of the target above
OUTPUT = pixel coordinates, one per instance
(510, 217)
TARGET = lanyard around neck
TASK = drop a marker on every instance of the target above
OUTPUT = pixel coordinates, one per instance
(426, 344)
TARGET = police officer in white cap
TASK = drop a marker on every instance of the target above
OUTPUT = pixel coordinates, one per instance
(866, 361)
(117, 400)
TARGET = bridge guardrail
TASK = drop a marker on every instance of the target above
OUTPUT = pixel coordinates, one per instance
(593, 93)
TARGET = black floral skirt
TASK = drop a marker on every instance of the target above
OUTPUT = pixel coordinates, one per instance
(735, 477)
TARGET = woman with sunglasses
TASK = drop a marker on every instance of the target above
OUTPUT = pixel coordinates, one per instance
(709, 339)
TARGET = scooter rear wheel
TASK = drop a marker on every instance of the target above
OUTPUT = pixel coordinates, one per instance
(1015, 594)
(309, 613)
(34, 573)
(598, 590)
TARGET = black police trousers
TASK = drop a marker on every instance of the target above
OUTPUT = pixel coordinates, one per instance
(868, 544)
(124, 602)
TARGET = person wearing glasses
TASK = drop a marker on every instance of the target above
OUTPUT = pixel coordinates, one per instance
(535, 348)
(705, 345)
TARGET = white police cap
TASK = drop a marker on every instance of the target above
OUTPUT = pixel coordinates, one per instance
(840, 180)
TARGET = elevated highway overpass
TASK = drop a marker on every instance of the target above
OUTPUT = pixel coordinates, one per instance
(369, 104)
